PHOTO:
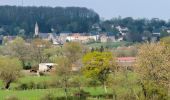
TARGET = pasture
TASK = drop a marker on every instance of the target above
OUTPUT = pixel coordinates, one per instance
(130, 85)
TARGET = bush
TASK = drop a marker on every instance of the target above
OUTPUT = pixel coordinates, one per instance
(42, 74)
(70, 98)
(42, 85)
(55, 84)
(11, 98)
(23, 86)
(82, 94)
(33, 85)
(27, 66)
(48, 96)
(104, 96)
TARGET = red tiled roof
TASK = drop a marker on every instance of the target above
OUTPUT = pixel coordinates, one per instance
(126, 58)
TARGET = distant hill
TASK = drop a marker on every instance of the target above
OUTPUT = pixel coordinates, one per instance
(21, 20)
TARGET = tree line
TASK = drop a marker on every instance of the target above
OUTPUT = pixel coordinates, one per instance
(21, 20)
(137, 27)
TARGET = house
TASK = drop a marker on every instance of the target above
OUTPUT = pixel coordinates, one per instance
(45, 67)
(62, 38)
(107, 38)
(103, 38)
(168, 30)
(81, 38)
(111, 39)
(9, 39)
(122, 30)
(155, 36)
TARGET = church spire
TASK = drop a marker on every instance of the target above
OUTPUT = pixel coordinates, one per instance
(36, 29)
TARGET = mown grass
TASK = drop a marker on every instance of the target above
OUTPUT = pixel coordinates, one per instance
(109, 44)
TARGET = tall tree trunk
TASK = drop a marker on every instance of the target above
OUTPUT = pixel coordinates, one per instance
(143, 89)
(105, 88)
(7, 84)
(65, 87)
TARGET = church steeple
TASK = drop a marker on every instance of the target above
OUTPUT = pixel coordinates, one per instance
(36, 29)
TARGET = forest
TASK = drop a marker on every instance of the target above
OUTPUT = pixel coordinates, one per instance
(21, 21)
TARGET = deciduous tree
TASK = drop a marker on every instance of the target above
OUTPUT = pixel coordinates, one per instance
(153, 66)
(98, 65)
(9, 70)
(19, 48)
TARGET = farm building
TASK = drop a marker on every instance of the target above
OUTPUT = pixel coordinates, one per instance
(45, 67)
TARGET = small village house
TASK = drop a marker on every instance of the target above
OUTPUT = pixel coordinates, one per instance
(106, 38)
(81, 38)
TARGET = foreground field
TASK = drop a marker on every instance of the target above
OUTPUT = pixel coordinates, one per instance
(37, 94)
(129, 85)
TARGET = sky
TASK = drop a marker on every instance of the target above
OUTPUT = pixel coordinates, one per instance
(108, 9)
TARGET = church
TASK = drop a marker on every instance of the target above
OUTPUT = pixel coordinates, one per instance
(45, 36)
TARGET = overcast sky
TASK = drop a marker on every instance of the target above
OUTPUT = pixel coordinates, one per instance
(108, 8)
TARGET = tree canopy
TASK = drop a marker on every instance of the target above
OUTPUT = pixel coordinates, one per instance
(9, 70)
(21, 20)
(153, 66)
(98, 65)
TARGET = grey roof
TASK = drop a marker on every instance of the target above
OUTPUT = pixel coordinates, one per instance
(54, 34)
(1, 37)
(43, 35)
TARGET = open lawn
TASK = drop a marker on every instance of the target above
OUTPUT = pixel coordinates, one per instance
(109, 44)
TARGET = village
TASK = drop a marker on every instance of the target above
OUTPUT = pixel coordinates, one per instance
(103, 37)
(65, 50)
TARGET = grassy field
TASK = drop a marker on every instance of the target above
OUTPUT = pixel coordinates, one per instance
(123, 84)
(37, 94)
(109, 44)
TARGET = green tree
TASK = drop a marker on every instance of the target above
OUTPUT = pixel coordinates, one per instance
(63, 70)
(98, 65)
(73, 50)
(37, 50)
(9, 70)
(153, 66)
(20, 49)
(165, 41)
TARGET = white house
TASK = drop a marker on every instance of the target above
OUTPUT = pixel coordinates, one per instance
(44, 67)
(123, 30)
(81, 38)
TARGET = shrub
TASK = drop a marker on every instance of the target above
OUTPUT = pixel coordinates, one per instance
(27, 66)
(42, 85)
(69, 98)
(55, 84)
(34, 85)
(82, 94)
(23, 86)
(48, 96)
(42, 74)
